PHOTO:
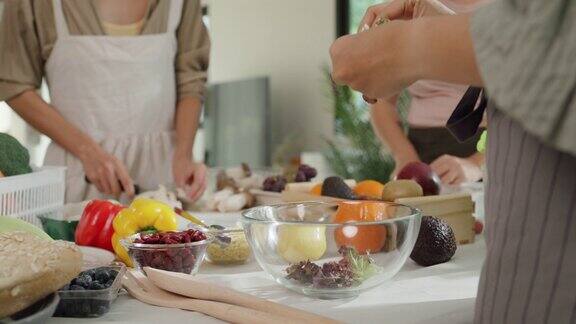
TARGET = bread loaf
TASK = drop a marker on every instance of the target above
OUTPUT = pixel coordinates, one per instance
(32, 268)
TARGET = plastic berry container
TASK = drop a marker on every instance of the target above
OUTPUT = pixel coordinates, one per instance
(180, 257)
(90, 303)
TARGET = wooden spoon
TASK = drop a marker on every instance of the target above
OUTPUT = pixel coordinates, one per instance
(142, 289)
(187, 285)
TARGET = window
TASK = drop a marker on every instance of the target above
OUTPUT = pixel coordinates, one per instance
(350, 13)
(205, 16)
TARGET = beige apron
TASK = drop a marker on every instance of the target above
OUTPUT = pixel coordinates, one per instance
(121, 91)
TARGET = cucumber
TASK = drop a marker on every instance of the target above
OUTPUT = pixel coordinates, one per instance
(9, 224)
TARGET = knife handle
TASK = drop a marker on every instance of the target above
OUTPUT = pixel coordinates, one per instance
(136, 187)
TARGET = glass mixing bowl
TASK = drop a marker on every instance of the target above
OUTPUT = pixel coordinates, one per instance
(182, 257)
(332, 250)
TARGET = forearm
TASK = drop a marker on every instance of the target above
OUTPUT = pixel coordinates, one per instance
(387, 127)
(186, 123)
(388, 58)
(435, 39)
(46, 119)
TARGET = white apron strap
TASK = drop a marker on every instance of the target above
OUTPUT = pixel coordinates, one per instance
(60, 21)
(175, 15)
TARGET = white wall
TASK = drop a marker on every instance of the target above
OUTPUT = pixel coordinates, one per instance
(287, 40)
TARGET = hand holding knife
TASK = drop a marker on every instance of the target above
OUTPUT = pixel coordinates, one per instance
(136, 187)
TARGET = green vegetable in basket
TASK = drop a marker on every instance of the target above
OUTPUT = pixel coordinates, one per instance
(14, 158)
(9, 224)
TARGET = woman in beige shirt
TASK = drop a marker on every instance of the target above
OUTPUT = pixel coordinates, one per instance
(126, 80)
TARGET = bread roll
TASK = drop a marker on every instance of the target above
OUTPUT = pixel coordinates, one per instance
(32, 268)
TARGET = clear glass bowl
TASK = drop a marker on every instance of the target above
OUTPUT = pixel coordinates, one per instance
(332, 250)
(185, 257)
(229, 246)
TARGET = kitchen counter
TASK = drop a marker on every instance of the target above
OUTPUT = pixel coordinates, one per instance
(440, 294)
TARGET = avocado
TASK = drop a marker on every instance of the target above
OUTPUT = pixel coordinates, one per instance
(435, 244)
(14, 158)
(337, 188)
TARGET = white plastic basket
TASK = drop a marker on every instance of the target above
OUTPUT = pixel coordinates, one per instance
(27, 196)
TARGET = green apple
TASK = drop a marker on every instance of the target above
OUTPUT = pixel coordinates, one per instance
(301, 242)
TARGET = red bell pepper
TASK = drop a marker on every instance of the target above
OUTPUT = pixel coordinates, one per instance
(95, 226)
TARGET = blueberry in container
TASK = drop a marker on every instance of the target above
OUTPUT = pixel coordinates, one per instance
(92, 293)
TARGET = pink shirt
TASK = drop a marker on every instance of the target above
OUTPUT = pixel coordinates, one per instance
(434, 101)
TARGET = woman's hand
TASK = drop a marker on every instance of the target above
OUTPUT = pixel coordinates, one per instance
(400, 10)
(381, 62)
(403, 10)
(454, 170)
(378, 63)
(190, 176)
(106, 172)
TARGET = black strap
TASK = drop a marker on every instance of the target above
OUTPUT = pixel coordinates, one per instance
(466, 118)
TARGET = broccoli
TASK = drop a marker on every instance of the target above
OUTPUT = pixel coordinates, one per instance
(14, 158)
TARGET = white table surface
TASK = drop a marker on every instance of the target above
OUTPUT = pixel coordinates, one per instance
(440, 294)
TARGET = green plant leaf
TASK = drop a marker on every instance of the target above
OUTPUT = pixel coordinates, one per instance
(356, 151)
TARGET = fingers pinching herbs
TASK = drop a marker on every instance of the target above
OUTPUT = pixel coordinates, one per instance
(369, 100)
(402, 10)
(393, 10)
(369, 18)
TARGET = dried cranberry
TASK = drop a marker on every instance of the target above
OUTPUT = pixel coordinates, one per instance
(170, 259)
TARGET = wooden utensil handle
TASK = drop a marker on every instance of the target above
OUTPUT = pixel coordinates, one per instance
(231, 296)
(231, 313)
(226, 312)
(187, 286)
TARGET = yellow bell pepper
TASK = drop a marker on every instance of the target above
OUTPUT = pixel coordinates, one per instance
(142, 215)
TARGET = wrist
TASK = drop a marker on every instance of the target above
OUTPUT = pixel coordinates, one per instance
(477, 159)
(182, 154)
(405, 154)
(418, 49)
(86, 149)
(411, 58)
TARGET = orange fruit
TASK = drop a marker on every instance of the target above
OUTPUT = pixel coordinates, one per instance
(370, 189)
(316, 190)
(364, 238)
(363, 211)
